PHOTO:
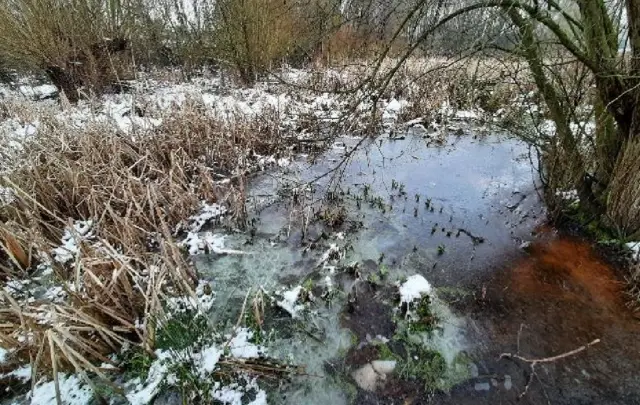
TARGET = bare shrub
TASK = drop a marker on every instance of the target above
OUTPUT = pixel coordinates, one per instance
(256, 35)
(75, 42)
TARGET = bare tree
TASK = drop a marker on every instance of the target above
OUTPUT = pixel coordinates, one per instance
(600, 41)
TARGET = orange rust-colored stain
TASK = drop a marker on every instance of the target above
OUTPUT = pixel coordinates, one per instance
(568, 270)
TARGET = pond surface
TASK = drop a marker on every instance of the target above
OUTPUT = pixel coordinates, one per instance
(456, 212)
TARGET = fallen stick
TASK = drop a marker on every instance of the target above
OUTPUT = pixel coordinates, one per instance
(534, 362)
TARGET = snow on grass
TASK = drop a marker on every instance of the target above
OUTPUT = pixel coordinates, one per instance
(466, 115)
(204, 361)
(414, 288)
(289, 301)
(207, 242)
(198, 243)
(209, 358)
(145, 393)
(333, 252)
(207, 213)
(570, 196)
(72, 392)
(393, 109)
(204, 300)
(22, 373)
(70, 245)
(7, 196)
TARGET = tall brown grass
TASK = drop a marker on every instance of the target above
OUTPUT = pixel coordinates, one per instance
(136, 190)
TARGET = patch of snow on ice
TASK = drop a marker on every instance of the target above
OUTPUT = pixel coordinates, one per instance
(72, 391)
(289, 299)
(414, 288)
(240, 346)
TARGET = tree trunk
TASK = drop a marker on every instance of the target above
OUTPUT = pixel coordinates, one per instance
(65, 82)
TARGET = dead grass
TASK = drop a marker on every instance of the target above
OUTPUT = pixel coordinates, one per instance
(137, 191)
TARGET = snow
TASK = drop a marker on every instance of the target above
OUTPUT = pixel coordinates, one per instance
(393, 109)
(329, 253)
(414, 288)
(288, 302)
(466, 115)
(200, 243)
(3, 355)
(69, 248)
(204, 301)
(568, 195)
(21, 373)
(634, 247)
(145, 393)
(209, 359)
(229, 395)
(72, 392)
(240, 346)
(6, 196)
(206, 214)
(232, 394)
(207, 242)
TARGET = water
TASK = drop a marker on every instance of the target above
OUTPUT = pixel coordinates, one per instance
(457, 214)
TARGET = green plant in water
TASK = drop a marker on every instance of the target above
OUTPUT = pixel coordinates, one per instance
(183, 330)
(374, 279)
(441, 249)
(384, 270)
(424, 364)
(136, 363)
(424, 320)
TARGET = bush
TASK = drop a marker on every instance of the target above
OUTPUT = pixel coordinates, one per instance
(77, 43)
(255, 35)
